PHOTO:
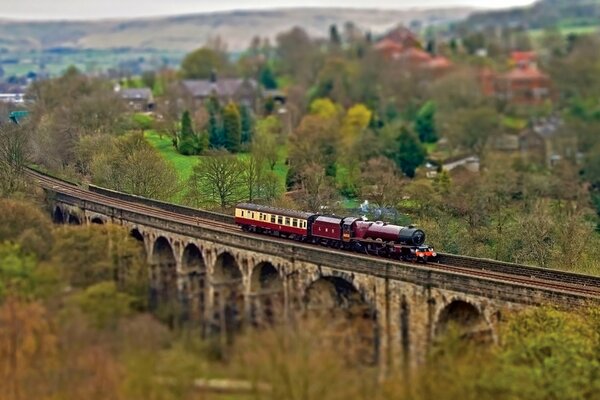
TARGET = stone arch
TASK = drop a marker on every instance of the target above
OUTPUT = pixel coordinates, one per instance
(228, 295)
(338, 299)
(73, 219)
(163, 274)
(136, 234)
(464, 317)
(194, 285)
(57, 216)
(97, 220)
(266, 288)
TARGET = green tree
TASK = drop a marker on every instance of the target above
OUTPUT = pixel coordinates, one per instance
(186, 125)
(267, 78)
(247, 121)
(188, 142)
(24, 224)
(470, 129)
(425, 123)
(14, 155)
(132, 165)
(93, 254)
(104, 304)
(202, 63)
(232, 127)
(409, 153)
(215, 128)
(216, 181)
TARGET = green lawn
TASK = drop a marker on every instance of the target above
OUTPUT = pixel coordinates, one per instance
(185, 164)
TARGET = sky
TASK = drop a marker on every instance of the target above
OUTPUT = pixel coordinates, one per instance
(99, 9)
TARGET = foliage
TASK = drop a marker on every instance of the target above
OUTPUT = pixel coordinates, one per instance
(425, 123)
(232, 127)
(132, 165)
(68, 108)
(267, 78)
(247, 124)
(202, 63)
(17, 272)
(24, 224)
(409, 153)
(189, 143)
(107, 252)
(470, 129)
(15, 148)
(216, 180)
(104, 304)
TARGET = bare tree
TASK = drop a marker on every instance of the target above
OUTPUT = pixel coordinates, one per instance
(14, 154)
(216, 180)
(382, 182)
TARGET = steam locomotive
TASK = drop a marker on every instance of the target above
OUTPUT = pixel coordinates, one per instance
(348, 233)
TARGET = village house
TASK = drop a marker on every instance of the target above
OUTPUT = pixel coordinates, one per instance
(242, 91)
(403, 46)
(523, 84)
(546, 142)
(138, 99)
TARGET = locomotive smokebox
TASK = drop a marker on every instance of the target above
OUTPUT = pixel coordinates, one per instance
(393, 233)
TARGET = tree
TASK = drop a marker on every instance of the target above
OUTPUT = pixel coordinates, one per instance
(470, 129)
(265, 144)
(267, 78)
(319, 188)
(14, 155)
(202, 63)
(356, 121)
(315, 141)
(425, 123)
(186, 125)
(247, 121)
(24, 224)
(86, 256)
(216, 180)
(149, 79)
(215, 128)
(382, 184)
(409, 152)
(188, 142)
(132, 165)
(232, 127)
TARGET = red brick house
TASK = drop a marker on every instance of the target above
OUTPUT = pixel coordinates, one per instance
(523, 84)
(403, 46)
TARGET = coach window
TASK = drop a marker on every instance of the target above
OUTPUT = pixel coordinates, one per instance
(280, 220)
(294, 222)
(272, 219)
(287, 221)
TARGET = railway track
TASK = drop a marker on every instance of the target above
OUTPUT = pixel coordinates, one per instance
(582, 285)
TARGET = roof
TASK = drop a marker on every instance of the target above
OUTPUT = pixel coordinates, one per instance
(136, 94)
(222, 87)
(525, 73)
(274, 210)
(439, 62)
(413, 54)
(519, 57)
(329, 220)
(403, 36)
(388, 45)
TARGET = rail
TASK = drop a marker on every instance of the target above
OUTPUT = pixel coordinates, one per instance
(500, 281)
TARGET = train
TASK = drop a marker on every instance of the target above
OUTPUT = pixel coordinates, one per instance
(405, 243)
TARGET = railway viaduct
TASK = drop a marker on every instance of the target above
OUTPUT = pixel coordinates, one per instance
(224, 277)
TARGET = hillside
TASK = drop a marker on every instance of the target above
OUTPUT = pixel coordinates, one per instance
(544, 13)
(187, 32)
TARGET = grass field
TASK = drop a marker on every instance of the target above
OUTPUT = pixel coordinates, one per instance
(185, 164)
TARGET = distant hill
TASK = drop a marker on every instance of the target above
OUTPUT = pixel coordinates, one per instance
(188, 32)
(542, 14)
